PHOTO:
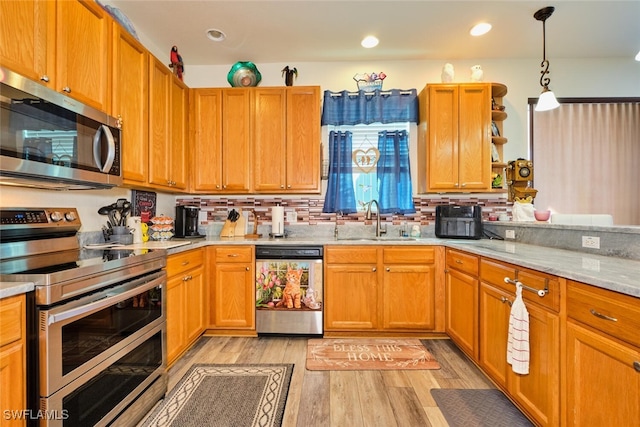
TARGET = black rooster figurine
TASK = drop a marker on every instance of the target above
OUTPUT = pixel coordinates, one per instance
(288, 74)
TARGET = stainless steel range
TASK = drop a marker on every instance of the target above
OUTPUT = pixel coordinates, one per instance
(97, 353)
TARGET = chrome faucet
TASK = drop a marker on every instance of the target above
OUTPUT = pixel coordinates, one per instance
(379, 229)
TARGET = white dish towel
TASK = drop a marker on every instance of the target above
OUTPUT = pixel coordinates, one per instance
(518, 343)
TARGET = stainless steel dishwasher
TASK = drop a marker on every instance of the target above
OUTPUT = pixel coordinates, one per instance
(283, 307)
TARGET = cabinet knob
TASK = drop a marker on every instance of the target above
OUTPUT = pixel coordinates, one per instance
(636, 365)
(45, 78)
(388, 269)
(503, 299)
(218, 186)
(374, 269)
(455, 185)
(464, 184)
(66, 89)
(289, 186)
(224, 187)
(247, 268)
(281, 185)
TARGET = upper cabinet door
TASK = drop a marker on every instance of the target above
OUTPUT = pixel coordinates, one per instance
(442, 151)
(27, 34)
(269, 136)
(206, 152)
(303, 139)
(236, 134)
(130, 102)
(178, 153)
(82, 52)
(159, 124)
(474, 155)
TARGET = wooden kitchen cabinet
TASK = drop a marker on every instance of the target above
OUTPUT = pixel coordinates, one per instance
(461, 301)
(221, 149)
(351, 291)
(27, 39)
(168, 125)
(13, 358)
(64, 45)
(186, 301)
(286, 138)
(232, 289)
(408, 288)
(454, 138)
(130, 103)
(537, 393)
(380, 288)
(602, 359)
(83, 48)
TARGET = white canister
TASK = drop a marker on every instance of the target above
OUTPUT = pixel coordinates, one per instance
(134, 223)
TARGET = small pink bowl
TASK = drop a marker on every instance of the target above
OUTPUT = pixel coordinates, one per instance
(542, 215)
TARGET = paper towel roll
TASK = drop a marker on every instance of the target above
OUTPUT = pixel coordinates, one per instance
(277, 221)
(134, 223)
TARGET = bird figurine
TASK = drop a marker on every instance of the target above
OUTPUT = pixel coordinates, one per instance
(476, 73)
(176, 62)
(288, 74)
(447, 73)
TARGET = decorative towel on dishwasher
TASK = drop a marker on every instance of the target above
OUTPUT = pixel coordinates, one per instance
(518, 343)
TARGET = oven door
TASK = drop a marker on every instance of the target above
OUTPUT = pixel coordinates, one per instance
(112, 387)
(76, 336)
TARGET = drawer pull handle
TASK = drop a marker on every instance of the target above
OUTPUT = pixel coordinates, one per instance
(603, 316)
(540, 292)
(187, 278)
(458, 261)
(503, 299)
(185, 262)
(232, 255)
(636, 365)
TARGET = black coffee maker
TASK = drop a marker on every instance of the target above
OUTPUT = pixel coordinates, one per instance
(186, 224)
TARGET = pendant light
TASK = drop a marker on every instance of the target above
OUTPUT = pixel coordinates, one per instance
(547, 100)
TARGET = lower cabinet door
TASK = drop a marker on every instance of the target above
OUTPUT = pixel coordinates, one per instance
(462, 311)
(603, 386)
(351, 300)
(408, 292)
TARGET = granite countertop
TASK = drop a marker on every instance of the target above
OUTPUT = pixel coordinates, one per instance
(616, 274)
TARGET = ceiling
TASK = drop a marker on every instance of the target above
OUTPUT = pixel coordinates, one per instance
(295, 31)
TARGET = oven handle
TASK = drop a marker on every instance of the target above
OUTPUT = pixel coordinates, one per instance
(110, 298)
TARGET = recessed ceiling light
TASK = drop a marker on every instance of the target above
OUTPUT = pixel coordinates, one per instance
(369, 42)
(216, 35)
(480, 29)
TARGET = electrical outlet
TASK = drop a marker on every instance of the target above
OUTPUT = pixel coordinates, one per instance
(591, 242)
(510, 234)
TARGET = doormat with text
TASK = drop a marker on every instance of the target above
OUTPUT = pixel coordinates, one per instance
(353, 354)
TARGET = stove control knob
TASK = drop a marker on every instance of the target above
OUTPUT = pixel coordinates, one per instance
(70, 216)
(55, 216)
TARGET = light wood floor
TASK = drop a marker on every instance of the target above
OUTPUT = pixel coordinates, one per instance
(344, 398)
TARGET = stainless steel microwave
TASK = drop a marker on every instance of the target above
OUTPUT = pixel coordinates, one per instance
(49, 140)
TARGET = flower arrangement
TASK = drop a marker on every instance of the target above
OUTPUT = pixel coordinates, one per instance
(268, 287)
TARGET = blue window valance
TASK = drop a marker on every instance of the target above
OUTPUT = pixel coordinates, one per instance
(366, 107)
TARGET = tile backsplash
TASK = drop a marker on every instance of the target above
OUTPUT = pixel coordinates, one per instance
(308, 210)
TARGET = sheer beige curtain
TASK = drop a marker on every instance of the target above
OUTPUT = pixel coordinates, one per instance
(586, 159)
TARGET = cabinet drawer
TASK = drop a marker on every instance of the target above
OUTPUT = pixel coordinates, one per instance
(494, 272)
(590, 305)
(179, 263)
(462, 262)
(234, 254)
(409, 255)
(12, 313)
(351, 255)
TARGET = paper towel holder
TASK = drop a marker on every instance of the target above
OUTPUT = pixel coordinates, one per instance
(277, 221)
